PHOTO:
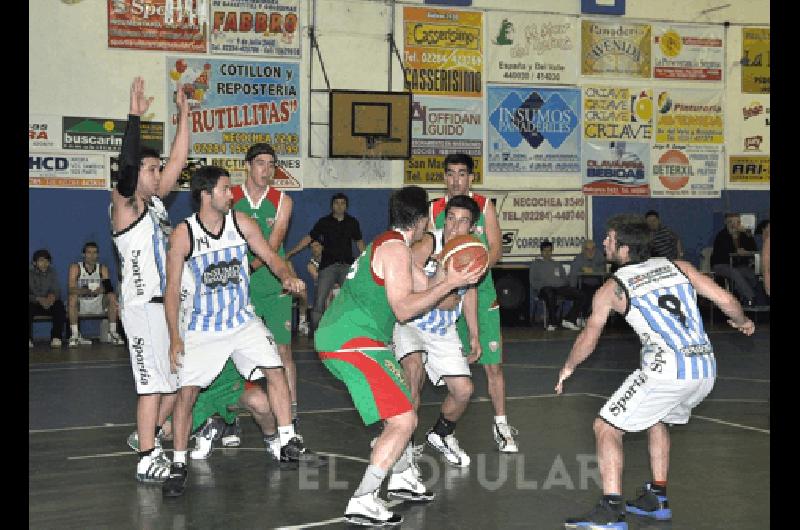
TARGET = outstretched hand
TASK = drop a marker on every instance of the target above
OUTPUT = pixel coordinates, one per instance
(563, 375)
(747, 327)
(139, 102)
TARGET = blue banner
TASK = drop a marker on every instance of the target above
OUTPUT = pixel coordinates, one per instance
(534, 130)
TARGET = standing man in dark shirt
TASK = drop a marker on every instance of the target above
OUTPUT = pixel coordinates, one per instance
(733, 239)
(336, 232)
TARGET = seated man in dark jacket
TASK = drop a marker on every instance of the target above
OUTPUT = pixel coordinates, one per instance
(44, 297)
(737, 269)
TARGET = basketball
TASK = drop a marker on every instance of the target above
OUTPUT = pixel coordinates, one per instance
(464, 249)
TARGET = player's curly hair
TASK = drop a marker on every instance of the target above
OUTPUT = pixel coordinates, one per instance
(632, 231)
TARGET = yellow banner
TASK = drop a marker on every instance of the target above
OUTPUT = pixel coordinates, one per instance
(443, 52)
(617, 113)
(611, 48)
(687, 116)
(425, 170)
(749, 170)
(755, 60)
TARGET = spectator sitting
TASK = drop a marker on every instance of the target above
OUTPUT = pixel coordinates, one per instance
(665, 242)
(90, 292)
(549, 279)
(44, 297)
(738, 270)
(589, 261)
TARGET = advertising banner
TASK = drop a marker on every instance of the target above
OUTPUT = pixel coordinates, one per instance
(442, 126)
(184, 180)
(689, 116)
(62, 170)
(749, 124)
(755, 60)
(443, 52)
(158, 25)
(617, 113)
(105, 134)
(44, 132)
(616, 168)
(529, 217)
(534, 130)
(688, 52)
(748, 170)
(527, 48)
(267, 28)
(234, 104)
(686, 171)
(614, 49)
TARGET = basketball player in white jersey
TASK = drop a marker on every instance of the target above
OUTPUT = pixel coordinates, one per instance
(430, 342)
(140, 227)
(91, 293)
(212, 246)
(658, 298)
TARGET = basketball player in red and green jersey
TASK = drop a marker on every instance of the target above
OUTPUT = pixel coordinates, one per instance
(353, 342)
(458, 176)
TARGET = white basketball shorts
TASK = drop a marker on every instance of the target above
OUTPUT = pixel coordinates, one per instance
(644, 400)
(148, 344)
(250, 346)
(442, 354)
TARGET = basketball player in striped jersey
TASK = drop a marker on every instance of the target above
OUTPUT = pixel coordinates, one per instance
(212, 247)
(271, 209)
(140, 227)
(658, 298)
(458, 176)
(91, 293)
(430, 343)
(353, 342)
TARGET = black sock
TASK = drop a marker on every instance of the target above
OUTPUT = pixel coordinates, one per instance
(658, 490)
(443, 426)
(615, 501)
(146, 453)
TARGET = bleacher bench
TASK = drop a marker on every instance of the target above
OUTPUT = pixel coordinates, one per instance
(87, 316)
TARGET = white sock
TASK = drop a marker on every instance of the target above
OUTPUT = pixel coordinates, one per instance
(74, 328)
(500, 419)
(286, 434)
(112, 327)
(179, 457)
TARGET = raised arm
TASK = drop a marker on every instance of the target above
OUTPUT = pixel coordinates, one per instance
(179, 152)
